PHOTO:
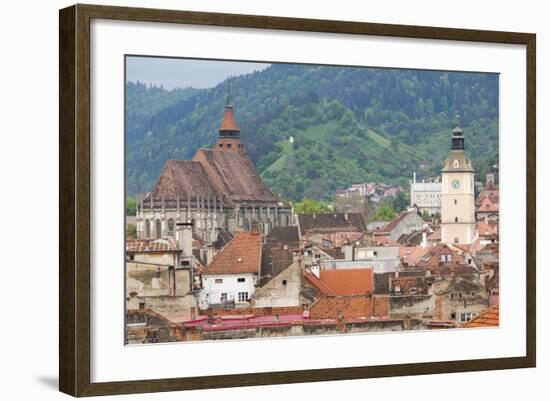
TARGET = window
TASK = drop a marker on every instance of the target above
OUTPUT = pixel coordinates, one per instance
(185, 263)
(243, 296)
(218, 281)
(456, 240)
(171, 227)
(284, 282)
(466, 317)
(158, 228)
(456, 164)
(223, 297)
(456, 219)
(455, 201)
(221, 145)
(147, 229)
(241, 280)
(131, 257)
(228, 145)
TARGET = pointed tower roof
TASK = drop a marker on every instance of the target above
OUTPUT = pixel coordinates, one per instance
(229, 124)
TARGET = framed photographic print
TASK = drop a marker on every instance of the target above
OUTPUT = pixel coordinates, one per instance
(250, 200)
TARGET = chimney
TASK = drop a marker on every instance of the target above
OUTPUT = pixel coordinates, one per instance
(184, 237)
(209, 254)
(424, 242)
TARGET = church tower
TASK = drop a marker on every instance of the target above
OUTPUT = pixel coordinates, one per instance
(457, 193)
(229, 139)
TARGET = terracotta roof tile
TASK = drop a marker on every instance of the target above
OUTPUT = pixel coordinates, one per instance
(411, 254)
(489, 318)
(229, 123)
(348, 281)
(241, 255)
(151, 245)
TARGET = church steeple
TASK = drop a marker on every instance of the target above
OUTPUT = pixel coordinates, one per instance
(458, 135)
(229, 132)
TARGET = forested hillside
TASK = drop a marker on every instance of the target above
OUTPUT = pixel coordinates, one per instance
(348, 125)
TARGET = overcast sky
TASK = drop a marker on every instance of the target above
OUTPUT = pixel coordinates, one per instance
(181, 73)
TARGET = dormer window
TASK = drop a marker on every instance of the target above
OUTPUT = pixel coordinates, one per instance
(456, 164)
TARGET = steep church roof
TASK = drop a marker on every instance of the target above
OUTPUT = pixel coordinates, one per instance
(181, 179)
(233, 174)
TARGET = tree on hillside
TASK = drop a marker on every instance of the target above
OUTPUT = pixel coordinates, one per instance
(309, 206)
(385, 212)
(401, 201)
(130, 206)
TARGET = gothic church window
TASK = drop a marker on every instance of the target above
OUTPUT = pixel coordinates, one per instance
(158, 229)
(171, 227)
(147, 229)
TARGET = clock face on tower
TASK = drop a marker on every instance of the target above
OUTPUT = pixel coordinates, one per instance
(455, 184)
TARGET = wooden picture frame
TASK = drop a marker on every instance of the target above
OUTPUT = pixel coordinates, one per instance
(74, 199)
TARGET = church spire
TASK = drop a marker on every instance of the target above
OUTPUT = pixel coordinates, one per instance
(229, 127)
(458, 135)
(229, 132)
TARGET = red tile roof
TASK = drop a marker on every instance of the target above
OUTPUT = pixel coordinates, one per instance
(486, 229)
(489, 318)
(151, 245)
(229, 123)
(488, 204)
(343, 281)
(411, 254)
(241, 255)
(346, 307)
(382, 240)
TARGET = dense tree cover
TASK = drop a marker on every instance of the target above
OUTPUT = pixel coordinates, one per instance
(348, 125)
(310, 206)
(384, 212)
(130, 206)
(400, 202)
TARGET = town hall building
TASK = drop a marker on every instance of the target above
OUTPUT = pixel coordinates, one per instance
(219, 189)
(457, 194)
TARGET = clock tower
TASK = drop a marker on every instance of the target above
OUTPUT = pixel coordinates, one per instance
(457, 193)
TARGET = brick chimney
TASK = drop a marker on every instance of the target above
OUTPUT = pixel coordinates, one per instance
(184, 235)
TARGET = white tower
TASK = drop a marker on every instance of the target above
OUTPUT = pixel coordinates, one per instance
(457, 195)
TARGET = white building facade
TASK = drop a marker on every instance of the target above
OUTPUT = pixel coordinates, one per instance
(426, 195)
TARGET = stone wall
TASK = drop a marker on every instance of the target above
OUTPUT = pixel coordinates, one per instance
(411, 306)
(281, 290)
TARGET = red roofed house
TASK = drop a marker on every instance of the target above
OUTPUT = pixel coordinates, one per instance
(487, 202)
(345, 294)
(231, 278)
(218, 189)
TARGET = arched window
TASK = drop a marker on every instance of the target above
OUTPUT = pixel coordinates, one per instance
(158, 228)
(456, 219)
(147, 229)
(456, 164)
(455, 201)
(171, 227)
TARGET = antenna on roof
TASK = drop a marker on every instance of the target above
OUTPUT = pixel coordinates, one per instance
(457, 118)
